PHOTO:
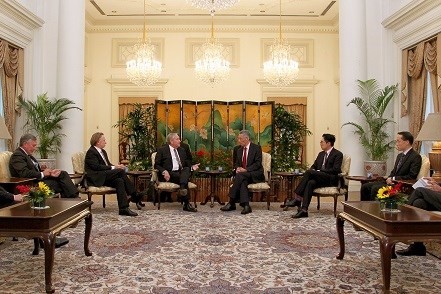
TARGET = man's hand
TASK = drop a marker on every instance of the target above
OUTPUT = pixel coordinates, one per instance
(195, 166)
(240, 170)
(433, 185)
(55, 173)
(18, 198)
(389, 181)
(166, 175)
(120, 166)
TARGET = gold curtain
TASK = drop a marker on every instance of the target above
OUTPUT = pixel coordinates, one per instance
(11, 73)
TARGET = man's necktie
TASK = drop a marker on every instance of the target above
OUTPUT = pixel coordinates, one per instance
(35, 162)
(104, 158)
(244, 157)
(324, 160)
(400, 162)
(177, 158)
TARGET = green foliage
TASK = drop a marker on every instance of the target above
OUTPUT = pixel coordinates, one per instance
(289, 133)
(138, 129)
(372, 132)
(44, 116)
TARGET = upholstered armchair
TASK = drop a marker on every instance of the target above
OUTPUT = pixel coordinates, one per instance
(169, 187)
(4, 164)
(334, 191)
(263, 187)
(78, 168)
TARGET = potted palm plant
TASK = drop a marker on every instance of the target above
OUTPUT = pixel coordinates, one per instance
(44, 117)
(372, 131)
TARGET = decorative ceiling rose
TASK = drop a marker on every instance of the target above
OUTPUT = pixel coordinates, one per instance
(144, 70)
(212, 5)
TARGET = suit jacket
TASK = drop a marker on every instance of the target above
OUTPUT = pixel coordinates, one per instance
(21, 165)
(254, 162)
(409, 168)
(6, 198)
(163, 159)
(95, 167)
(332, 165)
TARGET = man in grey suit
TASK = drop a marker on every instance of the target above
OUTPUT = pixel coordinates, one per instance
(407, 166)
(248, 169)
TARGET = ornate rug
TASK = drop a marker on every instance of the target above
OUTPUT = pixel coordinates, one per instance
(171, 251)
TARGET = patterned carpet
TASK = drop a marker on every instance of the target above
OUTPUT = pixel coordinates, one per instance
(170, 251)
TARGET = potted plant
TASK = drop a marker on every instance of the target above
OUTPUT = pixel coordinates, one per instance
(289, 133)
(372, 131)
(138, 129)
(36, 195)
(44, 116)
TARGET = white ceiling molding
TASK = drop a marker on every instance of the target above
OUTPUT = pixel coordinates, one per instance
(414, 22)
(17, 23)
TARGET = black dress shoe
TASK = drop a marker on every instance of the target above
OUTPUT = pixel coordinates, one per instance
(293, 203)
(300, 214)
(246, 209)
(59, 241)
(139, 205)
(126, 211)
(415, 249)
(228, 207)
(188, 207)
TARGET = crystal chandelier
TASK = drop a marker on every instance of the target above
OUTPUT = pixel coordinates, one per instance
(144, 70)
(280, 70)
(212, 5)
(212, 68)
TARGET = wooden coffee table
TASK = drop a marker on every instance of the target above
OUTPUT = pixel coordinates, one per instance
(21, 220)
(410, 225)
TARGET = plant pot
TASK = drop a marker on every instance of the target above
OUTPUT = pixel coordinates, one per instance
(389, 206)
(375, 168)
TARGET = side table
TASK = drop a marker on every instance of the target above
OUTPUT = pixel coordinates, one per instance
(213, 187)
(136, 175)
(289, 176)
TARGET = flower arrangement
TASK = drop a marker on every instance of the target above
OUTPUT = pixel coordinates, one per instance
(36, 195)
(391, 196)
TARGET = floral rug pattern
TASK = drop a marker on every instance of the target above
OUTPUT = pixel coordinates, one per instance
(171, 251)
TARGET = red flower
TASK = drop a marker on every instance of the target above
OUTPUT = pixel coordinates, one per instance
(23, 189)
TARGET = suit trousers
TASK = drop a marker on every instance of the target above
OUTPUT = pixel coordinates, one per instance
(62, 184)
(312, 179)
(425, 199)
(118, 179)
(368, 191)
(181, 178)
(239, 190)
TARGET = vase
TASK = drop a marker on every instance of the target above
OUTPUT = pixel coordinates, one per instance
(389, 206)
(39, 204)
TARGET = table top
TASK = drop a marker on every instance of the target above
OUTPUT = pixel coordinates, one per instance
(139, 172)
(409, 221)
(14, 180)
(364, 178)
(288, 174)
(213, 172)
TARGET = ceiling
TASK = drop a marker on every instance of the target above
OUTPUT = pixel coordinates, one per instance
(245, 12)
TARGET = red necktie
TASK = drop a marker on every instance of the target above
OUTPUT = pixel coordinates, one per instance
(244, 157)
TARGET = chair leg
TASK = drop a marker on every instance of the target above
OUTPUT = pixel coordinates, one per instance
(89, 196)
(195, 194)
(104, 200)
(346, 196)
(335, 205)
(267, 199)
(159, 199)
(318, 202)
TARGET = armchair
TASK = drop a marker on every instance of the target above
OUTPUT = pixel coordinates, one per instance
(263, 187)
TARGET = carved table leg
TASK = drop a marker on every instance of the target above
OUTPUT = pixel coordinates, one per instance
(87, 230)
(49, 254)
(341, 237)
(386, 247)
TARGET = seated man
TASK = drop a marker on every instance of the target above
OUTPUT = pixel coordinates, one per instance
(324, 172)
(100, 172)
(407, 166)
(427, 198)
(23, 165)
(7, 198)
(174, 165)
(248, 169)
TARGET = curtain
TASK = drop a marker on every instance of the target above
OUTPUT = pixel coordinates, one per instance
(11, 73)
(417, 62)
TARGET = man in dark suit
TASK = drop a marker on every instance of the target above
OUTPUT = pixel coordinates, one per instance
(99, 172)
(24, 165)
(7, 198)
(174, 166)
(407, 166)
(427, 198)
(324, 172)
(248, 169)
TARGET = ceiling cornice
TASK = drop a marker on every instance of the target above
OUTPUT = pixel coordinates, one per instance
(410, 12)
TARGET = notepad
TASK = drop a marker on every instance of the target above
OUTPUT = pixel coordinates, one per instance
(420, 183)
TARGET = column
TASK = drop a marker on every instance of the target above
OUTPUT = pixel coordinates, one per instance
(70, 79)
(353, 66)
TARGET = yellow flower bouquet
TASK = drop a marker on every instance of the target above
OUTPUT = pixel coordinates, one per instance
(390, 197)
(36, 195)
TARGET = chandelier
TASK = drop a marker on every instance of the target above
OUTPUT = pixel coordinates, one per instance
(144, 70)
(280, 70)
(212, 68)
(212, 5)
